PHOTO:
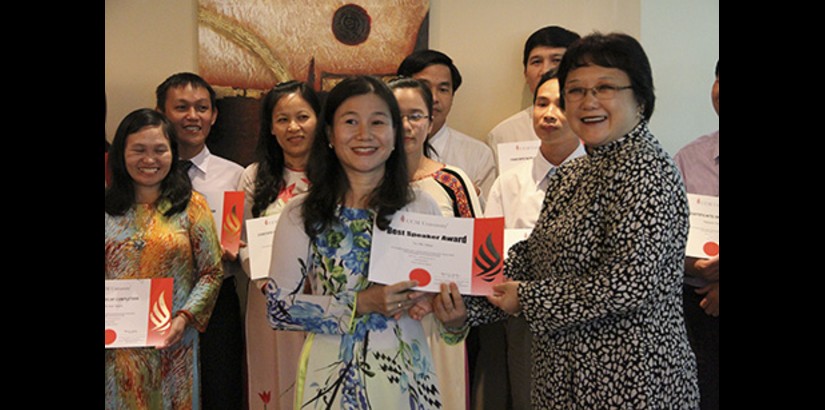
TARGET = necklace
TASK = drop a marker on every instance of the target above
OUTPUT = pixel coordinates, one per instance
(141, 223)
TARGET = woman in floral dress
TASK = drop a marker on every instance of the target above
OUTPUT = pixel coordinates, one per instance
(363, 350)
(156, 227)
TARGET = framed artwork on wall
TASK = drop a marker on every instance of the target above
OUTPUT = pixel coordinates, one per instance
(245, 48)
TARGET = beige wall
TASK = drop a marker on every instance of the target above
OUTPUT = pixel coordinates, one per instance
(148, 40)
(485, 39)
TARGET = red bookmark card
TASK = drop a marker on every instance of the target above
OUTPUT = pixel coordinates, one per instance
(488, 254)
(232, 220)
(138, 312)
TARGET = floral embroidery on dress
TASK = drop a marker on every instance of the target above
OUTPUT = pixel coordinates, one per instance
(351, 354)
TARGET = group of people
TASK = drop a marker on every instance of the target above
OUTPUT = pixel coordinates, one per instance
(592, 313)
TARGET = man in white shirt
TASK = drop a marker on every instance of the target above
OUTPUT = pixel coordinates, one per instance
(452, 147)
(518, 195)
(189, 103)
(543, 51)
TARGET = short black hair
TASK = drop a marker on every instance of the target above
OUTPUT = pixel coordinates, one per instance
(422, 59)
(550, 36)
(717, 68)
(549, 75)
(182, 80)
(614, 50)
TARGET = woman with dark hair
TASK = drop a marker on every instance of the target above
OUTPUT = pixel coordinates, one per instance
(599, 279)
(288, 126)
(452, 190)
(156, 226)
(362, 350)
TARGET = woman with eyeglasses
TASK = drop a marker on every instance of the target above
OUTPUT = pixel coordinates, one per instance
(599, 279)
(453, 191)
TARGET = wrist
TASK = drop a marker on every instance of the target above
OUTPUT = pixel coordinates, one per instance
(457, 329)
(183, 315)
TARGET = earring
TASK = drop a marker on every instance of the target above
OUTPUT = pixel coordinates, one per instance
(329, 145)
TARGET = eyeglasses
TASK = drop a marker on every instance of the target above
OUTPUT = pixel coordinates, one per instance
(601, 92)
(415, 117)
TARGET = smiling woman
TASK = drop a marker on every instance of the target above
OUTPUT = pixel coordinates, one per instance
(362, 349)
(157, 227)
(603, 265)
(288, 123)
(148, 160)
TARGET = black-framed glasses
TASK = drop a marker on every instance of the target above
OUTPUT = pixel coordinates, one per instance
(415, 117)
(601, 92)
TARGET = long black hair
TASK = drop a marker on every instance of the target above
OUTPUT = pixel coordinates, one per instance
(175, 189)
(328, 181)
(269, 179)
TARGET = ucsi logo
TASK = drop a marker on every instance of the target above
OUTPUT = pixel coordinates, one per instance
(488, 259)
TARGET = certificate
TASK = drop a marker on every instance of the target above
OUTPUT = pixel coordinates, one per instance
(138, 311)
(513, 235)
(260, 233)
(227, 209)
(434, 249)
(703, 237)
(511, 154)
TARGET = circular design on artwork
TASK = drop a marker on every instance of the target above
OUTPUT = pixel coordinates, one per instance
(111, 336)
(711, 248)
(421, 275)
(351, 24)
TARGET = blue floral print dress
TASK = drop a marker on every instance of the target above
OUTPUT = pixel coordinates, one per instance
(348, 361)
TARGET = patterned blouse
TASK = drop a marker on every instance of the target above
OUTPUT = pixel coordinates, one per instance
(453, 191)
(348, 361)
(145, 244)
(601, 282)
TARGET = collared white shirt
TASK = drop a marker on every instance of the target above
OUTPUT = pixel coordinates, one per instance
(211, 173)
(515, 128)
(518, 193)
(471, 155)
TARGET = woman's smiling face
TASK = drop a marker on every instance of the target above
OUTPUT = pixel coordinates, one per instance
(362, 134)
(148, 157)
(600, 121)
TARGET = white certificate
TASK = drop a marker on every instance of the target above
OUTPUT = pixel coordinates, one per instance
(703, 238)
(215, 201)
(260, 233)
(138, 311)
(434, 249)
(511, 154)
(513, 235)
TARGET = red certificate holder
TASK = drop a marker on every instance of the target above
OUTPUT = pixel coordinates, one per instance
(160, 310)
(141, 312)
(232, 220)
(488, 255)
